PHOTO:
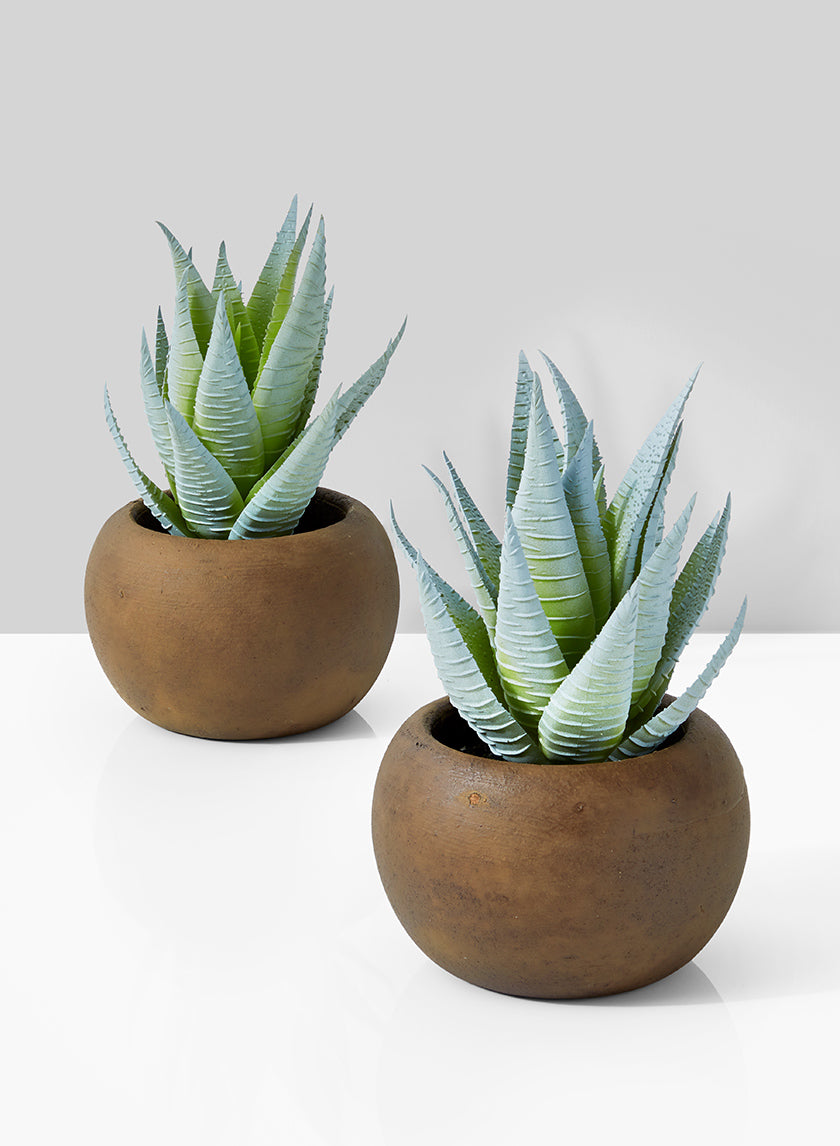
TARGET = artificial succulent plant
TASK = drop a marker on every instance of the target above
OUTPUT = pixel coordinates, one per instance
(582, 612)
(230, 389)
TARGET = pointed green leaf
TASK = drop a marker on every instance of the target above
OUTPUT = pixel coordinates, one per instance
(583, 509)
(155, 410)
(261, 302)
(276, 507)
(669, 719)
(464, 681)
(486, 543)
(547, 533)
(207, 496)
(353, 400)
(469, 624)
(519, 428)
(185, 358)
(575, 421)
(161, 354)
(201, 302)
(586, 716)
(162, 506)
(530, 663)
(484, 589)
(655, 525)
(285, 291)
(225, 419)
(246, 342)
(314, 378)
(281, 385)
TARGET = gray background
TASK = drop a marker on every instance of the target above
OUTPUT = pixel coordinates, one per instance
(633, 188)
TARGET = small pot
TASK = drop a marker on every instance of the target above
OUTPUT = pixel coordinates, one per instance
(559, 881)
(239, 640)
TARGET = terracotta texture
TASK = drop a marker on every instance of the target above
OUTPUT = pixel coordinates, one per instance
(240, 640)
(559, 881)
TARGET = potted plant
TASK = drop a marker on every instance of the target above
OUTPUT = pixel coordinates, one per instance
(243, 601)
(558, 826)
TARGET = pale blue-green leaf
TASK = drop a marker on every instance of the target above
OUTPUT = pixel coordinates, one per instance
(654, 586)
(691, 596)
(484, 589)
(583, 509)
(207, 496)
(586, 716)
(545, 527)
(246, 341)
(155, 410)
(468, 690)
(655, 525)
(600, 493)
(628, 511)
(278, 504)
(161, 354)
(225, 419)
(201, 303)
(314, 378)
(669, 719)
(463, 615)
(529, 660)
(354, 398)
(281, 384)
(161, 505)
(486, 543)
(285, 291)
(575, 421)
(261, 302)
(185, 357)
(519, 428)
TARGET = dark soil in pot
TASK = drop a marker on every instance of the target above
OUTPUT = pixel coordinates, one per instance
(559, 881)
(242, 640)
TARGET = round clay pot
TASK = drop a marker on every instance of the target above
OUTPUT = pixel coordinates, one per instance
(240, 640)
(559, 881)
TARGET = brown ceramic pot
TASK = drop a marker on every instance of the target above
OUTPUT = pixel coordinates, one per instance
(239, 640)
(559, 881)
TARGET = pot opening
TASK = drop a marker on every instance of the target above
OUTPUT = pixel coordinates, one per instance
(325, 508)
(451, 730)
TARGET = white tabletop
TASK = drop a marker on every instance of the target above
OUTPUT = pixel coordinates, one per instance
(196, 949)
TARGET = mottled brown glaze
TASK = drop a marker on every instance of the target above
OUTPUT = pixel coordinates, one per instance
(238, 640)
(559, 881)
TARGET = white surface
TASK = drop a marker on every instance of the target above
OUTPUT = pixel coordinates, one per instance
(197, 950)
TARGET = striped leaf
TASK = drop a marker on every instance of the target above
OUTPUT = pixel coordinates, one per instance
(161, 354)
(202, 305)
(185, 357)
(529, 660)
(282, 380)
(225, 420)
(583, 508)
(575, 421)
(486, 543)
(207, 496)
(162, 506)
(669, 719)
(261, 302)
(547, 533)
(155, 410)
(586, 717)
(519, 429)
(278, 502)
(246, 342)
(314, 378)
(285, 291)
(354, 398)
(461, 677)
(655, 525)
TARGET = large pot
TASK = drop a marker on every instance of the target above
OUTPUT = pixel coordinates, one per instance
(559, 881)
(239, 640)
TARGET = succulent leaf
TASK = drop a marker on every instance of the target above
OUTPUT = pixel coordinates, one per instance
(246, 341)
(279, 500)
(583, 508)
(356, 396)
(531, 665)
(161, 505)
(655, 524)
(201, 302)
(547, 533)
(161, 354)
(261, 302)
(486, 543)
(285, 291)
(314, 377)
(467, 688)
(525, 381)
(586, 716)
(155, 410)
(575, 421)
(281, 385)
(185, 357)
(669, 719)
(225, 419)
(207, 495)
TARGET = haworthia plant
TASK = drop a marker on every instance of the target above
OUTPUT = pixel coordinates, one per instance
(582, 609)
(230, 390)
